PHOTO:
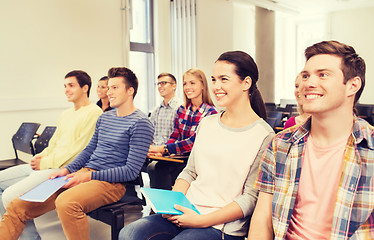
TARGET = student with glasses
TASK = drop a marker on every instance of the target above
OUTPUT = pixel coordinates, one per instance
(164, 114)
(198, 104)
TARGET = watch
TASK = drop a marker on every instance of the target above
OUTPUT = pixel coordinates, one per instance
(166, 151)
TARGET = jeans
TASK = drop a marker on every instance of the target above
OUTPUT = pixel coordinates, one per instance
(9, 177)
(155, 227)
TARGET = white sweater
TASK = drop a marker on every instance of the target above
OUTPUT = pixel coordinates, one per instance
(221, 168)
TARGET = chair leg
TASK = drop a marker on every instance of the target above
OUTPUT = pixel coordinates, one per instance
(118, 223)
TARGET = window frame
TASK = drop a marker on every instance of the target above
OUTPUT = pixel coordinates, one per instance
(147, 48)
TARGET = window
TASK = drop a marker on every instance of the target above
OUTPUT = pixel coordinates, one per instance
(293, 35)
(141, 56)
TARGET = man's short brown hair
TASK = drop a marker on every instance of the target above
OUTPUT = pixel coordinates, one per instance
(352, 64)
(128, 76)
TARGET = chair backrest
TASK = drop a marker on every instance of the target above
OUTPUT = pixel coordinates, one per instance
(43, 139)
(270, 106)
(364, 110)
(22, 140)
(271, 121)
(278, 118)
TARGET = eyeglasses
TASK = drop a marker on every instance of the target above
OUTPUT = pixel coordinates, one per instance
(163, 83)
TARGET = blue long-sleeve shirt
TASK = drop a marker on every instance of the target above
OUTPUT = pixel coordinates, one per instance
(118, 148)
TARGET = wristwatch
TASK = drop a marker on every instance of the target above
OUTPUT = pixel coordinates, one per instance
(166, 151)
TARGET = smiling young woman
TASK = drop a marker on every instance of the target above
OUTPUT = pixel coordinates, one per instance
(198, 104)
(219, 175)
(102, 89)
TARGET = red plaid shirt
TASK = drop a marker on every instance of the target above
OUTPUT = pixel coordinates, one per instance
(182, 138)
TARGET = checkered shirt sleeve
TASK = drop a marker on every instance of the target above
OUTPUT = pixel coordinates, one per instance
(185, 124)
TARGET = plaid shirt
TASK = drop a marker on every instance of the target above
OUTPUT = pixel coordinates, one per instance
(162, 118)
(280, 170)
(185, 124)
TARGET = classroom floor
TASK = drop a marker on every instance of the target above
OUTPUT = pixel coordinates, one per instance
(49, 226)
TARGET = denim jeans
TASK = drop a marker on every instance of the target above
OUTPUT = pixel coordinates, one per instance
(155, 227)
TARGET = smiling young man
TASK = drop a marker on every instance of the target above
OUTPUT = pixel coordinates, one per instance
(162, 118)
(316, 181)
(75, 128)
(163, 115)
(114, 156)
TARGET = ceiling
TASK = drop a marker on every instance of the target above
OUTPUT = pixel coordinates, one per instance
(312, 6)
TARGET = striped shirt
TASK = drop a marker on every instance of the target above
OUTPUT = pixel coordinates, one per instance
(118, 148)
(279, 174)
(182, 138)
(162, 118)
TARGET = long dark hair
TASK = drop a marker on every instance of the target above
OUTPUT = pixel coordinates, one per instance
(245, 66)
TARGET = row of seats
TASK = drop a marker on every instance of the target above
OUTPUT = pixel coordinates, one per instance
(277, 115)
(365, 111)
(28, 141)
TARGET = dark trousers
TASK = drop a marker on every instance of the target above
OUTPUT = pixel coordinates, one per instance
(162, 174)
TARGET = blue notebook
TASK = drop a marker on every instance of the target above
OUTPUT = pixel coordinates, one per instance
(163, 201)
(44, 190)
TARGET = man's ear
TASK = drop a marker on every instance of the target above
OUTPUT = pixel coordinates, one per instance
(131, 91)
(247, 83)
(85, 88)
(353, 86)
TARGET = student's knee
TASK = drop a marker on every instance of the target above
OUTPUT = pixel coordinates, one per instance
(16, 208)
(65, 206)
(143, 228)
(131, 230)
(151, 168)
(8, 195)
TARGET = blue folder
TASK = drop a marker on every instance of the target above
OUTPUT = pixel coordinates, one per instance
(44, 190)
(163, 201)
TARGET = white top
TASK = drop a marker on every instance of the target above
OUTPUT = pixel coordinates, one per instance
(219, 166)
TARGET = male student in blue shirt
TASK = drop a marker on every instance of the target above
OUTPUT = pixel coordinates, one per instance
(114, 156)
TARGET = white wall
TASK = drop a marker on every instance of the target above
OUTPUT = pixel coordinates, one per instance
(223, 26)
(265, 52)
(212, 41)
(355, 28)
(40, 42)
(162, 36)
(162, 41)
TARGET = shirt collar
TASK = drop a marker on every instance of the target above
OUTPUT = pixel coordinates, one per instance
(361, 131)
(200, 109)
(172, 103)
(300, 132)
